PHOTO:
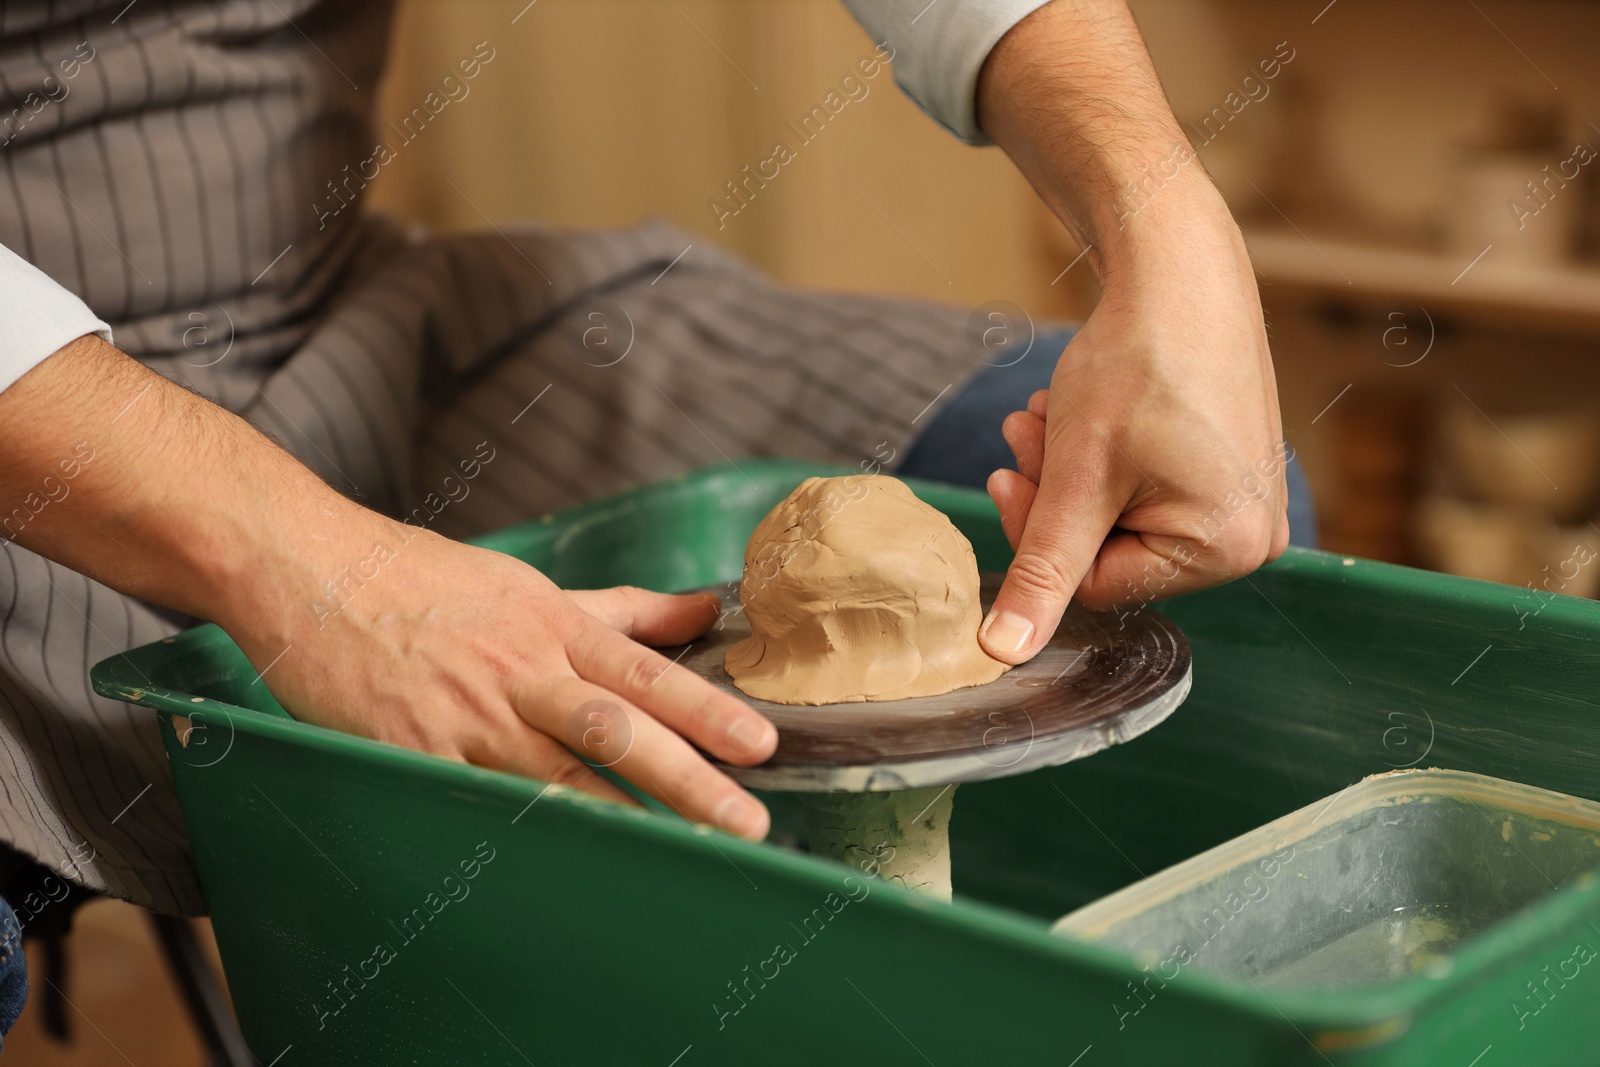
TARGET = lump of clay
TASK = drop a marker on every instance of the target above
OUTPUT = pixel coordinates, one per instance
(857, 590)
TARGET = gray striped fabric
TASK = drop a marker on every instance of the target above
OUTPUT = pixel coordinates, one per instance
(170, 163)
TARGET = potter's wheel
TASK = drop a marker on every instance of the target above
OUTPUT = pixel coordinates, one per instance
(1103, 679)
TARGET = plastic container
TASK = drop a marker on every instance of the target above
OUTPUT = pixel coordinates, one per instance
(598, 936)
(1378, 882)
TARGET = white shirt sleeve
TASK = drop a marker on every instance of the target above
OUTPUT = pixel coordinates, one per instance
(938, 48)
(37, 316)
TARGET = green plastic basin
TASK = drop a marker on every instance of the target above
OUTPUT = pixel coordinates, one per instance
(377, 906)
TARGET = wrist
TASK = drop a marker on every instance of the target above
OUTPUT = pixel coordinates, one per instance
(1184, 237)
(296, 564)
(1159, 212)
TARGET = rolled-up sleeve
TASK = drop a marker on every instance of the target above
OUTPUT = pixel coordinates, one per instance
(37, 316)
(938, 48)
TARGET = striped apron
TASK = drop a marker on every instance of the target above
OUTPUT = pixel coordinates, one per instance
(192, 170)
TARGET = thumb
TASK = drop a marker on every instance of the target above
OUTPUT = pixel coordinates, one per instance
(650, 618)
(1013, 497)
(1066, 525)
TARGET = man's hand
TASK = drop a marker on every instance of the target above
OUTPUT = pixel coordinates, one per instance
(1154, 466)
(454, 650)
(477, 657)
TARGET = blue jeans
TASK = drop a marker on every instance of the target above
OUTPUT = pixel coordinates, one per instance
(963, 445)
(13, 971)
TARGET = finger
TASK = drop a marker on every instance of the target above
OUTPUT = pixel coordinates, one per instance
(717, 721)
(614, 732)
(1128, 573)
(1280, 537)
(1077, 503)
(1024, 432)
(1013, 494)
(527, 752)
(1039, 403)
(1135, 569)
(652, 618)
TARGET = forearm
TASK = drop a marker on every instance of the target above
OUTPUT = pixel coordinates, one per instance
(1163, 407)
(120, 474)
(461, 652)
(1071, 96)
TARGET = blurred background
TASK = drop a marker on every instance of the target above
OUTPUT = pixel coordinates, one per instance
(1416, 180)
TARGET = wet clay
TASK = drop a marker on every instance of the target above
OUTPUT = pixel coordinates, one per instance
(856, 590)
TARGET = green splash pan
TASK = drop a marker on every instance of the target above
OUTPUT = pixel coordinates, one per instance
(336, 868)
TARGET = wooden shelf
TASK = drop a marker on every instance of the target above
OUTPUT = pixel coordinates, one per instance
(1561, 299)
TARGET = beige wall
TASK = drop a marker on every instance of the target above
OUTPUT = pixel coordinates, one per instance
(604, 112)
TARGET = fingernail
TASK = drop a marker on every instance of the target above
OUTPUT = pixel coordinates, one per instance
(743, 815)
(745, 736)
(1006, 631)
